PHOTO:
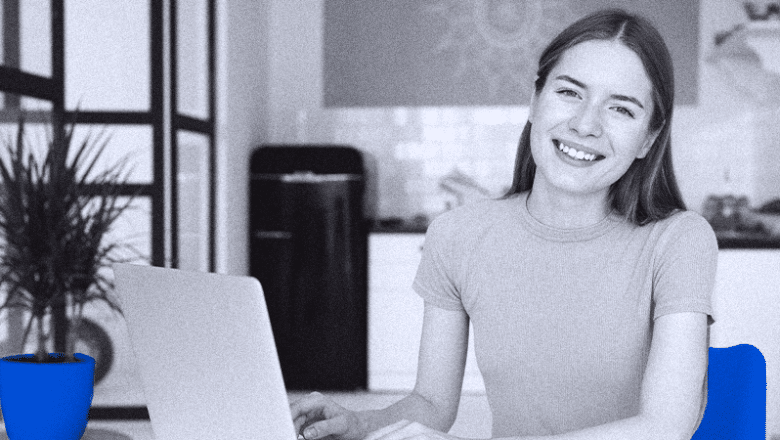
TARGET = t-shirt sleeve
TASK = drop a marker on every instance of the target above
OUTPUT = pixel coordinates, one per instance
(435, 280)
(685, 267)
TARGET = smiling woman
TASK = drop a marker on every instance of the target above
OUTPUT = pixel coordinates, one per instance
(588, 286)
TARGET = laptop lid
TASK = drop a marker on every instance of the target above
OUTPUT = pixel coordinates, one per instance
(206, 354)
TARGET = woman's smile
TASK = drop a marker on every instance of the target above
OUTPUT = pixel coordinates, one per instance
(575, 154)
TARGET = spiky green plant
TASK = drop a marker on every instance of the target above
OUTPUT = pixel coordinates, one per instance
(55, 211)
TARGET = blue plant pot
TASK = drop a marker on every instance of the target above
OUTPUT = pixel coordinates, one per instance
(46, 400)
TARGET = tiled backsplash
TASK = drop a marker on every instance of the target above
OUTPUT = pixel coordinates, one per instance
(410, 150)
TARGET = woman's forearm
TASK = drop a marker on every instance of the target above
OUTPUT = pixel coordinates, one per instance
(634, 428)
(413, 407)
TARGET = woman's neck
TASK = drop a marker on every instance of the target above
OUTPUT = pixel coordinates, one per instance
(567, 211)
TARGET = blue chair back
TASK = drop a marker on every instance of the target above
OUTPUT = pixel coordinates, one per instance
(736, 400)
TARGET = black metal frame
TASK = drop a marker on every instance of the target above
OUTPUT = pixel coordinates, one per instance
(16, 83)
(207, 127)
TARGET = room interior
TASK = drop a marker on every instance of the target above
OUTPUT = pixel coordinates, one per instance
(195, 96)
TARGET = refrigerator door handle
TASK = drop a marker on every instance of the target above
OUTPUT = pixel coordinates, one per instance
(273, 235)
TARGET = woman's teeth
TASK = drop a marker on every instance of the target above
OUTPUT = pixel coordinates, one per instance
(576, 154)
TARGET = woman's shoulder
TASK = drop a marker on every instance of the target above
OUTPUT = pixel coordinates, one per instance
(685, 221)
(466, 226)
(685, 229)
(475, 216)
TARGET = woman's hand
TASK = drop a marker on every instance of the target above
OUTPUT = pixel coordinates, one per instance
(406, 430)
(316, 417)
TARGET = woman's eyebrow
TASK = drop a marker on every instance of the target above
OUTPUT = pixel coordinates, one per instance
(580, 84)
(571, 80)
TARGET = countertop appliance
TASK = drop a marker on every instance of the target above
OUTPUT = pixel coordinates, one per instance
(309, 251)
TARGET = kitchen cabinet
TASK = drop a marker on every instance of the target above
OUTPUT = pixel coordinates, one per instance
(746, 304)
(395, 314)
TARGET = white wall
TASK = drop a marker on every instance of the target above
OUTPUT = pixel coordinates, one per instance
(243, 111)
(747, 311)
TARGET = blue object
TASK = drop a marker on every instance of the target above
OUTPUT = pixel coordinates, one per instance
(46, 400)
(736, 401)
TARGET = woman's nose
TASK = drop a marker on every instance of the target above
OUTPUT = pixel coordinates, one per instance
(586, 121)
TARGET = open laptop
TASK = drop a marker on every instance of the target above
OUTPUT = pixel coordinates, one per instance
(206, 354)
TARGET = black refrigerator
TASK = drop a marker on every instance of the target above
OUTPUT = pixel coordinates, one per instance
(309, 251)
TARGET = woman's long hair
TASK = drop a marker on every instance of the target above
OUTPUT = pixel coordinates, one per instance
(648, 190)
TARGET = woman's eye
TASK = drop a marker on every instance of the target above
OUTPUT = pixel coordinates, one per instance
(624, 111)
(568, 92)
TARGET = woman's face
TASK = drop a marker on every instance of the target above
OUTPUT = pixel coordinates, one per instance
(591, 119)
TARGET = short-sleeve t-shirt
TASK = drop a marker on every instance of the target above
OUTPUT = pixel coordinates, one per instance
(563, 319)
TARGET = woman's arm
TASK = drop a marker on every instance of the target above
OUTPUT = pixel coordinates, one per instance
(433, 402)
(436, 395)
(672, 390)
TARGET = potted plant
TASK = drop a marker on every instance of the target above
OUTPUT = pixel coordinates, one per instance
(56, 207)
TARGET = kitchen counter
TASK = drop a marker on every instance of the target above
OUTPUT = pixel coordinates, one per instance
(726, 239)
(746, 240)
(399, 225)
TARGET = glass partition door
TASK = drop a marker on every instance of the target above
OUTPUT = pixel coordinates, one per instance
(143, 71)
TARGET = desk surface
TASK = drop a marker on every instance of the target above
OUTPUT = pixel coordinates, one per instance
(474, 418)
(113, 430)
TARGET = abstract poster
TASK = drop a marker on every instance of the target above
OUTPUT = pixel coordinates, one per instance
(470, 52)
